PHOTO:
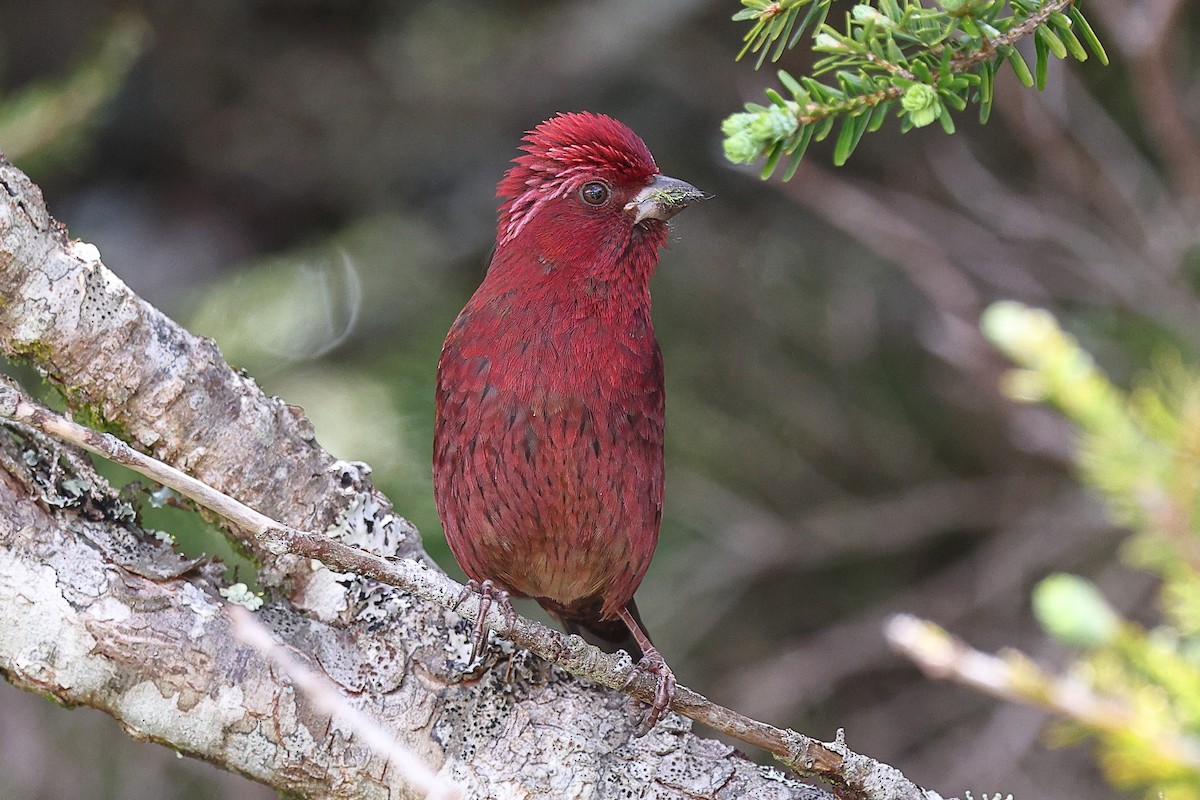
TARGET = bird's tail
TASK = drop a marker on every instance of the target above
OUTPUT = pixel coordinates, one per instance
(610, 635)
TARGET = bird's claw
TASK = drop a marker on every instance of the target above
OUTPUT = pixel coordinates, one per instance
(488, 593)
(664, 691)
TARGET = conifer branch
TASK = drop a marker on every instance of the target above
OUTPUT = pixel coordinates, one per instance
(892, 55)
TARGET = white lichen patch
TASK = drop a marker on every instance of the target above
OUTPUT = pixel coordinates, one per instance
(36, 317)
(201, 728)
(109, 609)
(44, 638)
(364, 524)
(76, 487)
(201, 605)
(460, 636)
(162, 536)
(240, 594)
(325, 593)
(86, 252)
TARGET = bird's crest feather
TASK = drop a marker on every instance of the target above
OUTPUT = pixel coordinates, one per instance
(561, 154)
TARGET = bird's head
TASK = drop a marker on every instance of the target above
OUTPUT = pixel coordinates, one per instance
(586, 172)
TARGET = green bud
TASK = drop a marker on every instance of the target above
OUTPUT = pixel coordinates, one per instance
(827, 41)
(1070, 608)
(865, 13)
(741, 148)
(922, 104)
(952, 6)
(774, 124)
(736, 123)
(1022, 332)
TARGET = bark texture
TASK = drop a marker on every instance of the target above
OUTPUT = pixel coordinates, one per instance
(98, 612)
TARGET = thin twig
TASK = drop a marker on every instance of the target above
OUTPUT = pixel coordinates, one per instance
(327, 699)
(1009, 38)
(855, 777)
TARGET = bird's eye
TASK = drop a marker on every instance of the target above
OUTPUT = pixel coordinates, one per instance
(594, 193)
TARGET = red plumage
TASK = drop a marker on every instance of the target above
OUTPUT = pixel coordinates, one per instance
(548, 445)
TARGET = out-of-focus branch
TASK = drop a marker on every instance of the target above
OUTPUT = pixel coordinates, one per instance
(43, 117)
(1015, 678)
(854, 210)
(1148, 37)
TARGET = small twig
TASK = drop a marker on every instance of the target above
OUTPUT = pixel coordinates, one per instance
(895, 69)
(1009, 38)
(855, 777)
(1017, 679)
(326, 697)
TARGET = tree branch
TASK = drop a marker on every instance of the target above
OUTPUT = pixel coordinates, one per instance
(126, 364)
(802, 754)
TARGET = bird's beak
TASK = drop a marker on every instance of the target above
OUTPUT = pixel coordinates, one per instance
(662, 199)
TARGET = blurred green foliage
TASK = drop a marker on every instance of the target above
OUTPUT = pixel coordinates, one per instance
(1141, 451)
(46, 124)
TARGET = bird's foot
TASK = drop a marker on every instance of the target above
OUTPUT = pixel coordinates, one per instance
(488, 593)
(664, 691)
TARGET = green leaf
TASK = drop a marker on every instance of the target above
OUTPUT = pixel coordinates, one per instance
(1072, 42)
(853, 84)
(946, 120)
(793, 165)
(776, 98)
(944, 72)
(1041, 49)
(878, 115)
(814, 19)
(1088, 34)
(987, 81)
(987, 86)
(1052, 41)
(803, 137)
(774, 28)
(1020, 67)
(1059, 20)
(785, 36)
(772, 160)
(851, 134)
(790, 83)
(823, 128)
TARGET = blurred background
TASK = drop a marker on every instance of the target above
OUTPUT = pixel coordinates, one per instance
(311, 183)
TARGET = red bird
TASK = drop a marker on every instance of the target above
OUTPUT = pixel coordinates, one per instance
(548, 445)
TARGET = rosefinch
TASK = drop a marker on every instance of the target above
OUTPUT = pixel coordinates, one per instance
(548, 445)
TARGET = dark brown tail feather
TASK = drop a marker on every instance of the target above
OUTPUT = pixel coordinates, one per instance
(609, 635)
